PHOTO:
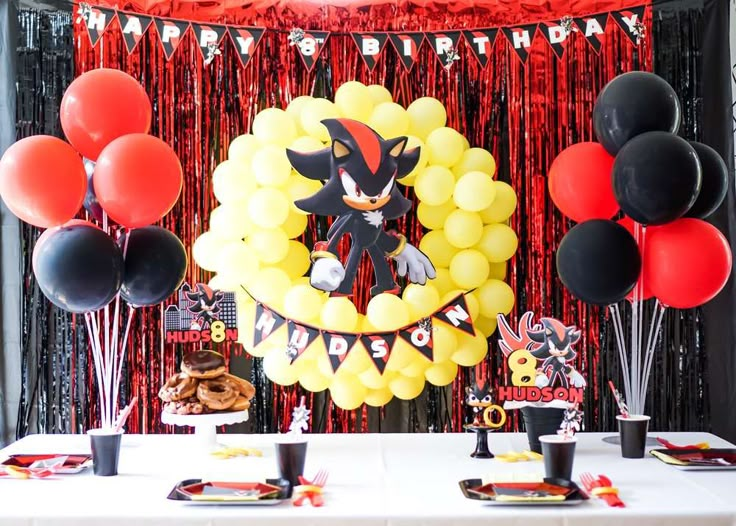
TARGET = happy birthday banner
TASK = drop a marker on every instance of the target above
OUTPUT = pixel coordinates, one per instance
(371, 45)
(379, 345)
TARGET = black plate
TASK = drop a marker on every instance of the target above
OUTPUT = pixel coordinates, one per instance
(577, 496)
(284, 494)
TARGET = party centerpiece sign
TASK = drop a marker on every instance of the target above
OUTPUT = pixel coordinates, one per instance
(202, 315)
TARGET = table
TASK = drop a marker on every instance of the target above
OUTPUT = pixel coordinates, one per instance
(375, 479)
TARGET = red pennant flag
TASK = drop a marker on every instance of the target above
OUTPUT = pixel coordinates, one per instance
(456, 314)
(171, 32)
(246, 41)
(379, 347)
(481, 43)
(311, 46)
(407, 45)
(627, 19)
(338, 347)
(442, 42)
(266, 323)
(419, 336)
(133, 27)
(370, 47)
(299, 338)
(555, 35)
(593, 29)
(96, 20)
(521, 38)
(208, 37)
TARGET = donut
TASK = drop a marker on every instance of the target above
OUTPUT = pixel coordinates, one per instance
(244, 387)
(241, 404)
(216, 394)
(178, 387)
(203, 364)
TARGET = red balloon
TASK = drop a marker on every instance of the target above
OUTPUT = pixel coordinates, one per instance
(42, 180)
(138, 179)
(580, 182)
(100, 106)
(686, 262)
(628, 224)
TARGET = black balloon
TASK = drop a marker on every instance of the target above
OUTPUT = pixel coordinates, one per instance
(79, 268)
(715, 181)
(599, 262)
(632, 104)
(656, 178)
(155, 266)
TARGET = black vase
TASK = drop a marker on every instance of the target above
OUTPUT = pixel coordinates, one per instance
(540, 421)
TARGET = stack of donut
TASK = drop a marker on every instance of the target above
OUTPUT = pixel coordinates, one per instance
(205, 386)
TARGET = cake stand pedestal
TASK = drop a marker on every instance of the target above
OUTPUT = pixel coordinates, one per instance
(205, 426)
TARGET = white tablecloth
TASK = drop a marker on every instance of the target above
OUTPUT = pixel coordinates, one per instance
(375, 479)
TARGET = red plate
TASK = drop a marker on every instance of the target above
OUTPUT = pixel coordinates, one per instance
(73, 464)
(522, 489)
(229, 491)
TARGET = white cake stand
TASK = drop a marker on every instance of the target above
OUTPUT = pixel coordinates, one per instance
(205, 426)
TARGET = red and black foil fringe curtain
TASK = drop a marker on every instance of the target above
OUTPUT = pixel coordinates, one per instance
(525, 114)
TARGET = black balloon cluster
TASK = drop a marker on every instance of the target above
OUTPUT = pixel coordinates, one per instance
(657, 178)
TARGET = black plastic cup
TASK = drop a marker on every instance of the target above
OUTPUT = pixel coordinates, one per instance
(105, 445)
(633, 432)
(291, 457)
(540, 421)
(559, 454)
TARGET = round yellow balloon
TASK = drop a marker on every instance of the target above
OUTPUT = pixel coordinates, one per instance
(268, 207)
(295, 225)
(274, 126)
(302, 303)
(295, 108)
(434, 185)
(378, 397)
(402, 355)
(416, 367)
(437, 248)
(271, 245)
(443, 282)
(339, 314)
(305, 144)
(354, 101)
(299, 187)
(434, 217)
(346, 391)
(442, 373)
(230, 221)
(238, 261)
(407, 387)
(498, 271)
(470, 300)
(372, 379)
(469, 269)
(379, 94)
(313, 113)
(422, 300)
(426, 114)
(277, 367)
(270, 166)
(463, 229)
(502, 206)
(445, 147)
(296, 263)
(475, 159)
(470, 349)
(485, 325)
(310, 378)
(243, 148)
(232, 182)
(357, 361)
(444, 342)
(495, 297)
(498, 242)
(389, 120)
(474, 191)
(207, 249)
(387, 312)
(225, 282)
(411, 143)
(269, 286)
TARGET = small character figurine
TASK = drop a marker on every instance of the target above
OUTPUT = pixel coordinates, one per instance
(360, 169)
(206, 305)
(571, 421)
(479, 397)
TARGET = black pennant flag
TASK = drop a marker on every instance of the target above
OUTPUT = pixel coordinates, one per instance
(481, 42)
(407, 46)
(266, 323)
(171, 32)
(456, 314)
(419, 336)
(97, 20)
(299, 338)
(311, 46)
(521, 38)
(442, 42)
(593, 29)
(246, 41)
(208, 35)
(338, 347)
(555, 35)
(379, 347)
(370, 47)
(627, 20)
(133, 27)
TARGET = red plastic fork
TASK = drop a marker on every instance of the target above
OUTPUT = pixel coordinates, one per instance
(602, 488)
(320, 479)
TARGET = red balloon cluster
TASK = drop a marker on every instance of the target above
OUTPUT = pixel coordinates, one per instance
(105, 115)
